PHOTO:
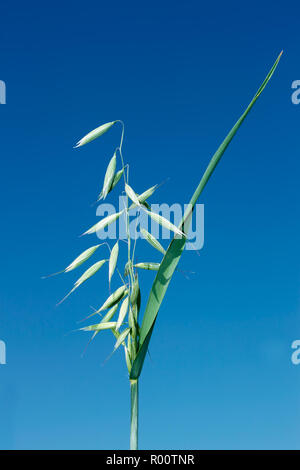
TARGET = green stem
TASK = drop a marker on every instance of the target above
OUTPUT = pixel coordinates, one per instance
(132, 348)
(134, 395)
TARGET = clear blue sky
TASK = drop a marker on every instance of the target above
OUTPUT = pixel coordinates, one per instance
(179, 75)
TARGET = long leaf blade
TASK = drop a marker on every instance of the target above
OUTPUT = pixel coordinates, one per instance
(175, 249)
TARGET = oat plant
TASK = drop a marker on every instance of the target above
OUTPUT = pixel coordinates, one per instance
(120, 312)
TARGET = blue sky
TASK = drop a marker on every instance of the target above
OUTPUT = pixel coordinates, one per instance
(178, 75)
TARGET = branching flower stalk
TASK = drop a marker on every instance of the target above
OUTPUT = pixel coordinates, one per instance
(122, 307)
(127, 298)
